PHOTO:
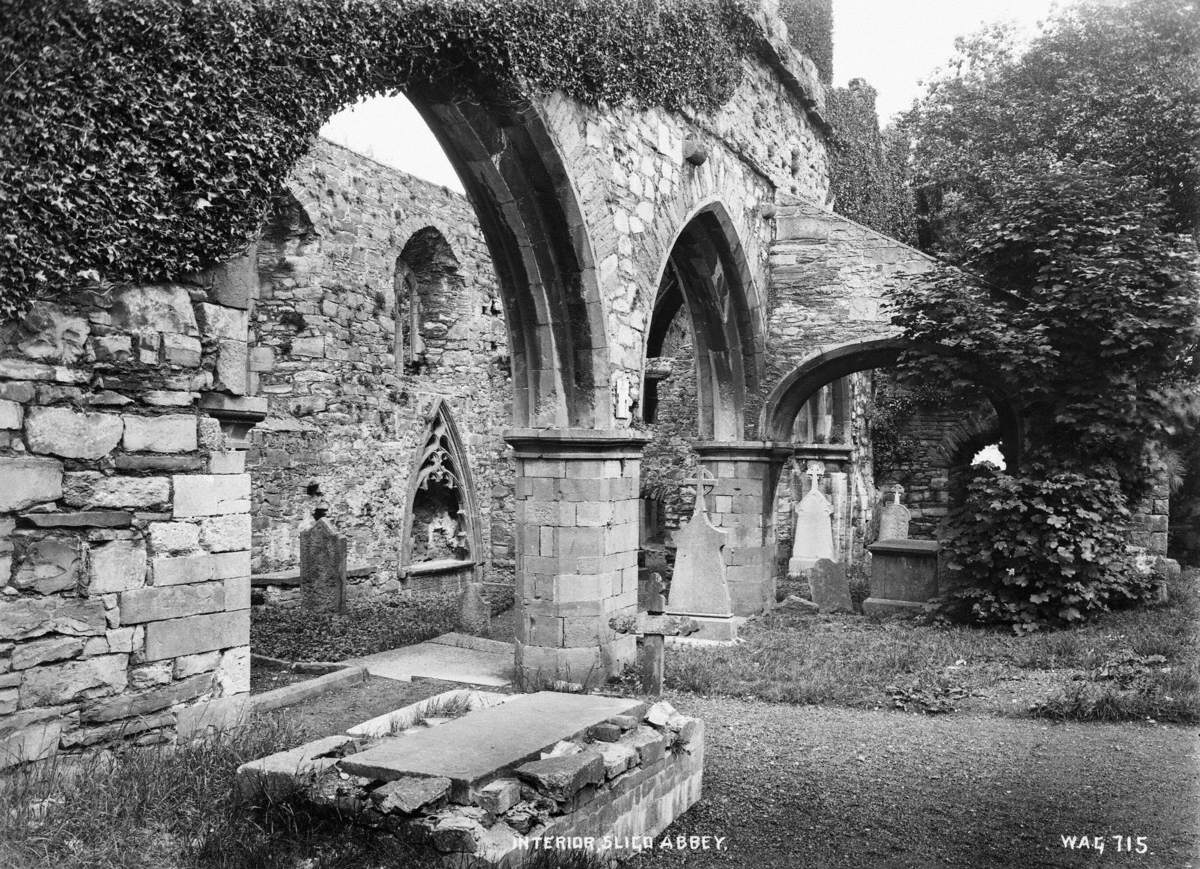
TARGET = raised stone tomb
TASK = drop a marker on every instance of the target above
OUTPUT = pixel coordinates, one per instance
(535, 765)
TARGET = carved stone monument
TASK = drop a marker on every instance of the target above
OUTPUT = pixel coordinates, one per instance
(699, 586)
(322, 568)
(813, 539)
(894, 518)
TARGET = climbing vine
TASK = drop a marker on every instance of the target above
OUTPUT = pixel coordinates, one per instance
(868, 168)
(810, 28)
(144, 138)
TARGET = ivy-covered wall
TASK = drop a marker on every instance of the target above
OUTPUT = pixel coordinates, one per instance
(868, 178)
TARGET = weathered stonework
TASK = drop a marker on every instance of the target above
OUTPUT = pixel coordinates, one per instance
(461, 392)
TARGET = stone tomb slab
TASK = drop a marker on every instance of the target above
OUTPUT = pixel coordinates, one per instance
(474, 749)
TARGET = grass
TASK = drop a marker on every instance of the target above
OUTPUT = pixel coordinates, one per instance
(1127, 665)
(176, 808)
(368, 626)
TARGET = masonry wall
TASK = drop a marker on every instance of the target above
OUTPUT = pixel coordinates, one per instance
(346, 416)
(124, 523)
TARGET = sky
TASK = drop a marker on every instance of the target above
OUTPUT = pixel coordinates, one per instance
(893, 44)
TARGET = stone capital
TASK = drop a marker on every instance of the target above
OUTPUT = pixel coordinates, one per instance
(577, 444)
(771, 452)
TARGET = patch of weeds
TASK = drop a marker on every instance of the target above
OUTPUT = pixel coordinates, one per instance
(851, 661)
(436, 707)
(934, 696)
(1128, 687)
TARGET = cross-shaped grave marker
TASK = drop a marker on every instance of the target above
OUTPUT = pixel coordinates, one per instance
(652, 626)
(704, 480)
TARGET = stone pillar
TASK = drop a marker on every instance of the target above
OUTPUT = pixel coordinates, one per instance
(742, 503)
(577, 546)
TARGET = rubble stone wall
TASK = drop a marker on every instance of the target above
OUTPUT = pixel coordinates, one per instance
(124, 515)
(346, 418)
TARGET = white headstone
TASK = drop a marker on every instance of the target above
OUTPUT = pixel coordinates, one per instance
(813, 539)
(894, 518)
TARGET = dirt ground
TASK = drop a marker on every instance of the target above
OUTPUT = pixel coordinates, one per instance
(795, 786)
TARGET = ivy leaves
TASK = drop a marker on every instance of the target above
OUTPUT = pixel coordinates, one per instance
(144, 138)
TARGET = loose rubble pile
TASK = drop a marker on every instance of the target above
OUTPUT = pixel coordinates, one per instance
(629, 773)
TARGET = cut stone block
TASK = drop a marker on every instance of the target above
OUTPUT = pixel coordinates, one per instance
(29, 655)
(173, 433)
(154, 308)
(87, 519)
(25, 618)
(203, 633)
(92, 489)
(649, 744)
(480, 746)
(200, 568)
(63, 432)
(618, 757)
(211, 494)
(29, 481)
(48, 565)
(118, 565)
(499, 796)
(560, 778)
(62, 683)
(155, 604)
(276, 776)
(151, 701)
(406, 795)
(226, 533)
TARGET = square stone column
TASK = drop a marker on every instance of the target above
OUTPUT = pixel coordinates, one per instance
(577, 542)
(743, 503)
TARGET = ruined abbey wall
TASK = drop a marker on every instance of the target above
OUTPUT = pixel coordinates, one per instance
(349, 398)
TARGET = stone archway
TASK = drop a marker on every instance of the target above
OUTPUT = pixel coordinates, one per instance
(528, 211)
(813, 374)
(785, 401)
(706, 279)
(709, 309)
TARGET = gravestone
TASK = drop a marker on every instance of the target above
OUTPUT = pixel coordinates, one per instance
(322, 568)
(830, 588)
(474, 614)
(894, 518)
(699, 585)
(813, 539)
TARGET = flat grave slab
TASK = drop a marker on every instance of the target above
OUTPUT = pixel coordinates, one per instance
(490, 665)
(485, 743)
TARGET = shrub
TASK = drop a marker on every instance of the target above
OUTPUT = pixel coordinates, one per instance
(1033, 551)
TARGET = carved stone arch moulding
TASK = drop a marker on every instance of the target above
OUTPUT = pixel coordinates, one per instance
(441, 475)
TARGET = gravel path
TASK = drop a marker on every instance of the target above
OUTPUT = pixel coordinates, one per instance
(798, 787)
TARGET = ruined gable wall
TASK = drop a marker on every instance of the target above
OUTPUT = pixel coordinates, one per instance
(342, 414)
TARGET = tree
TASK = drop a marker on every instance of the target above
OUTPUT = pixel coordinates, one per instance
(1106, 81)
(1061, 181)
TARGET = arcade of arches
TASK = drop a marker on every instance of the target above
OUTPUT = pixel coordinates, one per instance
(510, 386)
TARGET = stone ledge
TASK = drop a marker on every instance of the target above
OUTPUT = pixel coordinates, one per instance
(918, 548)
(291, 578)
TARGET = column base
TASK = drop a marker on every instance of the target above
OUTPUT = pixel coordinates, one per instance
(584, 665)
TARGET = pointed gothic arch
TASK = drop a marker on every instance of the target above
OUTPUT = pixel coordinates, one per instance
(441, 523)
(706, 277)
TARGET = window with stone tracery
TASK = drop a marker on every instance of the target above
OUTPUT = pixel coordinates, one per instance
(442, 521)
